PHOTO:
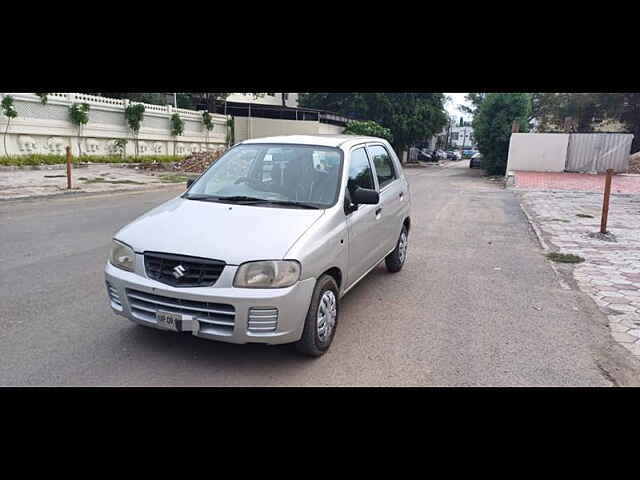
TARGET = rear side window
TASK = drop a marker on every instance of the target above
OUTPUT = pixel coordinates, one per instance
(385, 170)
(360, 174)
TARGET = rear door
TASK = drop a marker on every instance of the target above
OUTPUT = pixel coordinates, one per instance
(392, 197)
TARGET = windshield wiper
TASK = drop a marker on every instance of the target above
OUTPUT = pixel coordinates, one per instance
(249, 200)
(255, 200)
(241, 198)
(293, 204)
(200, 196)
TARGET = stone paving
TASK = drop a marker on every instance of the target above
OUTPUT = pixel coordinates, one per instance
(584, 182)
(20, 184)
(611, 271)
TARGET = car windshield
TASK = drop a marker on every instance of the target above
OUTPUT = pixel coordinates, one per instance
(274, 175)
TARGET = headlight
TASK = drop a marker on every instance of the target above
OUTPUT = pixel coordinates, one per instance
(122, 256)
(267, 274)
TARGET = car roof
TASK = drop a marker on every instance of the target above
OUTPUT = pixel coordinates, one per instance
(323, 140)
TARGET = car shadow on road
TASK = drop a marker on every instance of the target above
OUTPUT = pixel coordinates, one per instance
(183, 359)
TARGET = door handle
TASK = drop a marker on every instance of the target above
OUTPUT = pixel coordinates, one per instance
(378, 210)
(401, 195)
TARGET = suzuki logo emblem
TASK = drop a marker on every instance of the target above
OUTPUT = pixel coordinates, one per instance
(179, 271)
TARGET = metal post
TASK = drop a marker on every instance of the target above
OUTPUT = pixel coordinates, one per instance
(605, 201)
(68, 168)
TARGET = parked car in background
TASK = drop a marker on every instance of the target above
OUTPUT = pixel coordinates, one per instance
(425, 155)
(440, 154)
(264, 244)
(468, 153)
(454, 155)
(476, 161)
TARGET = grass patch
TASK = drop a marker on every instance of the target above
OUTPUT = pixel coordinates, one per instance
(173, 178)
(102, 180)
(584, 215)
(46, 159)
(564, 257)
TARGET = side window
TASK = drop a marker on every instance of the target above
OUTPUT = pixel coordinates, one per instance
(360, 174)
(385, 170)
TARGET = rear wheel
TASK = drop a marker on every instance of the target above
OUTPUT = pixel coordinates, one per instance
(322, 318)
(395, 260)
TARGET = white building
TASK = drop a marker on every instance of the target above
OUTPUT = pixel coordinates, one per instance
(290, 99)
(461, 137)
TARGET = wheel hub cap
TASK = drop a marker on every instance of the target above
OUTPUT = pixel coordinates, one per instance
(327, 314)
(402, 246)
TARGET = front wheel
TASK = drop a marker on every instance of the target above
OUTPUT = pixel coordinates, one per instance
(322, 318)
(395, 260)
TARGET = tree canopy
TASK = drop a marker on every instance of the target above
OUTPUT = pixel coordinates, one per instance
(411, 117)
(492, 124)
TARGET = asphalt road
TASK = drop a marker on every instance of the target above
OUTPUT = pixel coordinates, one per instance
(476, 304)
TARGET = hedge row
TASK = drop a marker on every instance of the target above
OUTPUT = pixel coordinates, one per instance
(41, 159)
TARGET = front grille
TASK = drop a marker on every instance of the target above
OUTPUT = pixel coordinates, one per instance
(262, 320)
(216, 318)
(182, 271)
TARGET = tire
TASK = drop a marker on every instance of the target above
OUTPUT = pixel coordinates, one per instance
(395, 260)
(312, 343)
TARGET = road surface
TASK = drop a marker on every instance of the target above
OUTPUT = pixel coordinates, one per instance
(476, 304)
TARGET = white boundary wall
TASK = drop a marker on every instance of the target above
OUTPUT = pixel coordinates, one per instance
(538, 152)
(255, 127)
(47, 129)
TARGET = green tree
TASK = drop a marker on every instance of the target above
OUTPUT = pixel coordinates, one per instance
(624, 107)
(9, 111)
(79, 115)
(582, 112)
(492, 124)
(134, 113)
(177, 127)
(370, 128)
(411, 117)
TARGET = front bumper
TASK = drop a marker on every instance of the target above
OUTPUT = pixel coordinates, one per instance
(292, 305)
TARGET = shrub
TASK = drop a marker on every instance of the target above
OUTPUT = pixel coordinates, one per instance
(370, 129)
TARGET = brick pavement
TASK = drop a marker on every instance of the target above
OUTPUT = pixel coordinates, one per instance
(585, 182)
(611, 272)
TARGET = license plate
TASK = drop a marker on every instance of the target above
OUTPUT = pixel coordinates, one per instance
(169, 320)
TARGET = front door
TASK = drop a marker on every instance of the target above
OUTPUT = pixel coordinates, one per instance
(362, 224)
(392, 194)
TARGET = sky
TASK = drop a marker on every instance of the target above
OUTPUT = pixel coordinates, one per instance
(452, 107)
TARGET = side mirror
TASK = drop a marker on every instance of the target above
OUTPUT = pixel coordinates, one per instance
(190, 181)
(364, 196)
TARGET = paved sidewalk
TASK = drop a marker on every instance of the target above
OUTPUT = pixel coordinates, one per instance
(611, 271)
(21, 184)
(584, 182)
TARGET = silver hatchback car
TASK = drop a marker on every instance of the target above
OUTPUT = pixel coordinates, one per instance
(262, 246)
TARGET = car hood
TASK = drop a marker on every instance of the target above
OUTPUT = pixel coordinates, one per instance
(223, 231)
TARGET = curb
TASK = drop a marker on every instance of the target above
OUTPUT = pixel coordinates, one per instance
(81, 194)
(564, 285)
